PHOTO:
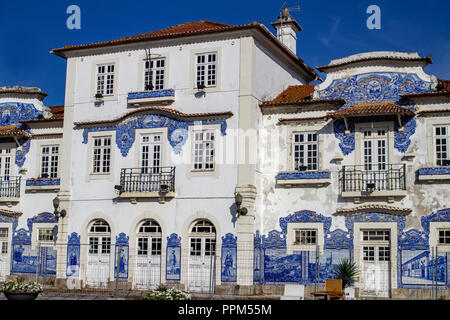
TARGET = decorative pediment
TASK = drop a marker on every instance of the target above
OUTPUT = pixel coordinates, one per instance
(374, 217)
(177, 124)
(414, 240)
(305, 216)
(338, 239)
(229, 240)
(22, 236)
(274, 239)
(122, 239)
(438, 216)
(173, 240)
(44, 217)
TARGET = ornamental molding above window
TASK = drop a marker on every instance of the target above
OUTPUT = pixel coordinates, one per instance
(178, 124)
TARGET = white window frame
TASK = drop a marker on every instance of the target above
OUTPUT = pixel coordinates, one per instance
(306, 144)
(446, 138)
(52, 164)
(149, 144)
(156, 238)
(105, 79)
(155, 73)
(305, 237)
(294, 227)
(200, 161)
(46, 232)
(208, 68)
(10, 155)
(102, 149)
(446, 236)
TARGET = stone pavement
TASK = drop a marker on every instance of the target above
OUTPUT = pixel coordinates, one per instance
(52, 294)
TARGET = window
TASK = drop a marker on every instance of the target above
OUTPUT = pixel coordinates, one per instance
(442, 140)
(45, 235)
(305, 237)
(376, 235)
(369, 253)
(196, 247)
(105, 79)
(206, 70)
(305, 151)
(204, 150)
(149, 233)
(374, 149)
(5, 163)
(444, 236)
(154, 74)
(4, 240)
(151, 153)
(384, 253)
(102, 155)
(203, 226)
(49, 161)
(100, 235)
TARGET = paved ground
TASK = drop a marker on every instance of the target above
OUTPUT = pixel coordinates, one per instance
(128, 295)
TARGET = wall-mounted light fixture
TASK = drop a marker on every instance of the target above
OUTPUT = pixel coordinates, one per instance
(58, 213)
(242, 211)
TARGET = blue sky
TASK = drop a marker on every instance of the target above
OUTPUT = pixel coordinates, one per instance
(331, 29)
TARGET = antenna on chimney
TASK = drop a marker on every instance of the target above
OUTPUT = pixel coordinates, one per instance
(285, 13)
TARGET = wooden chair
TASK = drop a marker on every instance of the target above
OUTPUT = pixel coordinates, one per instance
(333, 290)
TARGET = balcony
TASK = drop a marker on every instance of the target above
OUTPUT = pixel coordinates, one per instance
(143, 98)
(9, 189)
(156, 182)
(382, 181)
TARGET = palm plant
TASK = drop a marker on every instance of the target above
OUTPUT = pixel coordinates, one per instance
(347, 271)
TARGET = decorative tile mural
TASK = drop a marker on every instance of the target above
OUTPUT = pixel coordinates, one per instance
(416, 266)
(73, 255)
(11, 113)
(177, 130)
(151, 94)
(229, 258)
(42, 182)
(303, 175)
(121, 257)
(173, 258)
(375, 87)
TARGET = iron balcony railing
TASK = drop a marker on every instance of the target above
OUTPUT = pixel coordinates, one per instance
(152, 179)
(370, 178)
(10, 187)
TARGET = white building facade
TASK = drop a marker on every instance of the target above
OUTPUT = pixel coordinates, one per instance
(160, 132)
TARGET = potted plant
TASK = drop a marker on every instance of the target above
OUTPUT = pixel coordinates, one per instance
(347, 271)
(164, 293)
(19, 290)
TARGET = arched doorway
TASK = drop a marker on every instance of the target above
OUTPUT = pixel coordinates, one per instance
(202, 253)
(148, 255)
(99, 254)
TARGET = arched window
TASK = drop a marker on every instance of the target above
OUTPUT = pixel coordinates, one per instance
(203, 238)
(149, 238)
(99, 235)
(203, 226)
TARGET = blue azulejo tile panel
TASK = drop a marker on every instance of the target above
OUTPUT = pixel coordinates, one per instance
(419, 268)
(173, 258)
(151, 94)
(73, 255)
(303, 175)
(434, 171)
(229, 259)
(374, 87)
(320, 268)
(121, 257)
(281, 267)
(42, 182)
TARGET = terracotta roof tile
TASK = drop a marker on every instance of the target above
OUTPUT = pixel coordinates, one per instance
(292, 95)
(445, 84)
(160, 110)
(377, 207)
(13, 131)
(371, 108)
(190, 29)
(10, 212)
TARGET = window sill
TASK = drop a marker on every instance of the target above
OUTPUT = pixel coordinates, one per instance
(434, 174)
(142, 98)
(317, 178)
(375, 194)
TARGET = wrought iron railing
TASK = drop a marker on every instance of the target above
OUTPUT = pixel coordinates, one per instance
(152, 179)
(365, 178)
(10, 187)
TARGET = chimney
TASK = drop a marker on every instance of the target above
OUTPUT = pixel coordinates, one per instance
(287, 28)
